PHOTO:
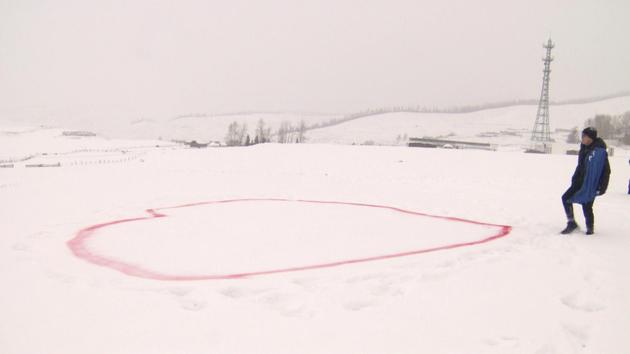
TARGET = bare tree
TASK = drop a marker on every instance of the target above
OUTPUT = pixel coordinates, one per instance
(604, 124)
(242, 132)
(301, 132)
(236, 134)
(262, 133)
(284, 132)
(232, 137)
(625, 127)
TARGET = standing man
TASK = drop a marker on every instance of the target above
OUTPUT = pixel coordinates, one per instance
(589, 180)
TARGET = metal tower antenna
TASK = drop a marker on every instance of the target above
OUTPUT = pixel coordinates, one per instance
(541, 137)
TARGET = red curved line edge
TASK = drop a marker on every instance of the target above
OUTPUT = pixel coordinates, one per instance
(79, 249)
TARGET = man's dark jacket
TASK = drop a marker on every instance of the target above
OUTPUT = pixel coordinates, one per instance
(592, 173)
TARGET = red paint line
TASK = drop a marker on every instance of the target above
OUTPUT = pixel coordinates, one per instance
(78, 244)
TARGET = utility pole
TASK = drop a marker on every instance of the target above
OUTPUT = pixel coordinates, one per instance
(541, 138)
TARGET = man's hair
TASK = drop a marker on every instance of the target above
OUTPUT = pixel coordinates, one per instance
(590, 132)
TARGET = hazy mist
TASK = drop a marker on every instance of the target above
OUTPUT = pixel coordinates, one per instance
(165, 57)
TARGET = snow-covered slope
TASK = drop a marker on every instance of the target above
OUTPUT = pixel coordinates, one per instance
(218, 125)
(532, 291)
(214, 127)
(50, 145)
(136, 125)
(515, 122)
(507, 126)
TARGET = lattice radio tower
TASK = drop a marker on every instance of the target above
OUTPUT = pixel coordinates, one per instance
(540, 133)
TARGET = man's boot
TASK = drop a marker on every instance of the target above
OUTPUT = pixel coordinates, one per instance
(571, 226)
(590, 229)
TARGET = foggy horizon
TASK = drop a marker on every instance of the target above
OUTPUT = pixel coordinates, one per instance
(148, 58)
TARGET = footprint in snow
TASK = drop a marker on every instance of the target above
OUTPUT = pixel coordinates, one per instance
(192, 304)
(547, 348)
(577, 334)
(367, 277)
(21, 247)
(501, 341)
(306, 283)
(235, 292)
(358, 305)
(286, 304)
(386, 289)
(38, 235)
(63, 278)
(179, 291)
(577, 302)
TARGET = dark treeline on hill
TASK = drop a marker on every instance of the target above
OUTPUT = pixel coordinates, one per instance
(415, 109)
(459, 109)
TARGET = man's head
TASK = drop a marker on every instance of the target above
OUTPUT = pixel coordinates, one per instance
(589, 135)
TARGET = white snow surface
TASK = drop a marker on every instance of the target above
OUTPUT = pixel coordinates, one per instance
(516, 121)
(201, 127)
(205, 128)
(382, 129)
(533, 291)
(508, 126)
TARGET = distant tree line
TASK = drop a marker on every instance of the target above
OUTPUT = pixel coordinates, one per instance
(608, 127)
(458, 109)
(287, 133)
(236, 135)
(612, 127)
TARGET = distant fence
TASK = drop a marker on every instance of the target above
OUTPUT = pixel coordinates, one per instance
(123, 150)
(457, 144)
(103, 161)
(93, 156)
(84, 162)
(58, 164)
(20, 159)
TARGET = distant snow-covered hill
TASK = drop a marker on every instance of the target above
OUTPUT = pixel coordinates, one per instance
(509, 125)
(18, 144)
(505, 126)
(215, 127)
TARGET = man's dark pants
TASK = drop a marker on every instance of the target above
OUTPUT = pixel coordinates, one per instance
(586, 208)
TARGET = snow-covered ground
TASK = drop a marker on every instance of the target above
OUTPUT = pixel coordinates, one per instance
(508, 126)
(532, 291)
(122, 124)
(206, 128)
(21, 146)
(512, 125)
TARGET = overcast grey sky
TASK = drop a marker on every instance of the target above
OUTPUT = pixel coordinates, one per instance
(326, 55)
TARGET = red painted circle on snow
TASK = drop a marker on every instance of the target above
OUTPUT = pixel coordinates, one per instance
(78, 244)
